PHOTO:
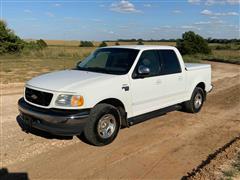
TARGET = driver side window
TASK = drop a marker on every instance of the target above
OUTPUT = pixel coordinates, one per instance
(149, 59)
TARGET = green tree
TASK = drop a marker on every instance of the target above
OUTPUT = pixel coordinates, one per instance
(140, 42)
(86, 44)
(192, 43)
(9, 42)
(103, 44)
(41, 43)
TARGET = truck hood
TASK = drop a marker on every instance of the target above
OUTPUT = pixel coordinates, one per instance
(67, 80)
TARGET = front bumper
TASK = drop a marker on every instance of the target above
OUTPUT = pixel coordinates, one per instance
(54, 121)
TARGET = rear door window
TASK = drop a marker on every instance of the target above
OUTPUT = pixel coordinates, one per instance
(169, 62)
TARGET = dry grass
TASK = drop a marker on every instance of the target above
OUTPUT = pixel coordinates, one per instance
(22, 67)
(59, 52)
(62, 43)
(96, 43)
(228, 56)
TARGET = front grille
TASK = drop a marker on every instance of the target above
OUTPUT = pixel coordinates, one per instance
(38, 97)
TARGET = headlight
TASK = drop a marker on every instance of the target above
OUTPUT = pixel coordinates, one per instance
(69, 100)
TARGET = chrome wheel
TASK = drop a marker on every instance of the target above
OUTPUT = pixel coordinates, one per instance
(198, 100)
(106, 126)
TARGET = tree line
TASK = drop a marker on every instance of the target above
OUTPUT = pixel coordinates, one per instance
(209, 40)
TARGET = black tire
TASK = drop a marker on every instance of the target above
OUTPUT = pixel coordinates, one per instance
(190, 106)
(91, 131)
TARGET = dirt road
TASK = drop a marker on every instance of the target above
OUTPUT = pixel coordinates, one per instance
(165, 147)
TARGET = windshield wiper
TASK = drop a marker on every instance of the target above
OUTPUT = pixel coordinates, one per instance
(97, 69)
(93, 69)
(80, 68)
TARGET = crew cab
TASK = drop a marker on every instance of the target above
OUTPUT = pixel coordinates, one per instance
(114, 87)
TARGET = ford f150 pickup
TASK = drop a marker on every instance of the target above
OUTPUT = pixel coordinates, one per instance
(114, 87)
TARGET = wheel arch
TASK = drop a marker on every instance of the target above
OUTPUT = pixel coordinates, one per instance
(113, 101)
(202, 86)
(118, 104)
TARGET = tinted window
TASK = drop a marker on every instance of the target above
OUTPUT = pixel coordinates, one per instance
(169, 62)
(109, 60)
(149, 58)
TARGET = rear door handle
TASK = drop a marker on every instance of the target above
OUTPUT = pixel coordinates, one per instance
(180, 78)
(159, 81)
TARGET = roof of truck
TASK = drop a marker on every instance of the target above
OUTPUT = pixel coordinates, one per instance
(142, 47)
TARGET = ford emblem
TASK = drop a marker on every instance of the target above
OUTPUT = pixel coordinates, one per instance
(33, 96)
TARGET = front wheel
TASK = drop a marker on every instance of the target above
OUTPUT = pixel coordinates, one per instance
(103, 125)
(195, 104)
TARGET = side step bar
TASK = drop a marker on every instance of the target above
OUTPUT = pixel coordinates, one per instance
(153, 114)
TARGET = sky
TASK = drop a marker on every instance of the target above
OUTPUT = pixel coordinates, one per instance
(121, 19)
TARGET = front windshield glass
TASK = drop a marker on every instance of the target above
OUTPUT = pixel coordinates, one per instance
(109, 60)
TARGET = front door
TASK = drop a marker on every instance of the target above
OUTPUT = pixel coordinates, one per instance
(145, 88)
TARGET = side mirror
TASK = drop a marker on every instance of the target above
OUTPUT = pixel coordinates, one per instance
(143, 70)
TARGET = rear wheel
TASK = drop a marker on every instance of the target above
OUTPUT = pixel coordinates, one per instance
(103, 125)
(195, 104)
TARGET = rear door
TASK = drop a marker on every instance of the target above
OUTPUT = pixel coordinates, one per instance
(171, 78)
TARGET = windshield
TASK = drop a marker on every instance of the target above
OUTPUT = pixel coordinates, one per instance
(109, 60)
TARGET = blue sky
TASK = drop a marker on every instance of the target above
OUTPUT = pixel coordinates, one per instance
(101, 20)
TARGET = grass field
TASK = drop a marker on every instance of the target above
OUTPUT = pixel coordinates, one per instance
(76, 43)
(65, 54)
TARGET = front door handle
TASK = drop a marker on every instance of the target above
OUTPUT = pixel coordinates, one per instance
(125, 87)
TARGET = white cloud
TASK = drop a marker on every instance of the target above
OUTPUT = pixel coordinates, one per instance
(214, 17)
(188, 27)
(194, 1)
(147, 5)
(210, 13)
(123, 27)
(213, 2)
(57, 5)
(124, 7)
(97, 20)
(177, 11)
(202, 22)
(218, 22)
(49, 14)
(232, 26)
(207, 12)
(209, 22)
(161, 28)
(233, 1)
(232, 13)
(27, 11)
(167, 26)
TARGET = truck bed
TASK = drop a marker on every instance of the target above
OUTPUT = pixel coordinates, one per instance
(195, 66)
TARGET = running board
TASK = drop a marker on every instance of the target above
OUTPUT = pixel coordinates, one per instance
(153, 114)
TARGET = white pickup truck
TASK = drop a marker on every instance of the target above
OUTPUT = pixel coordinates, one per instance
(114, 87)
